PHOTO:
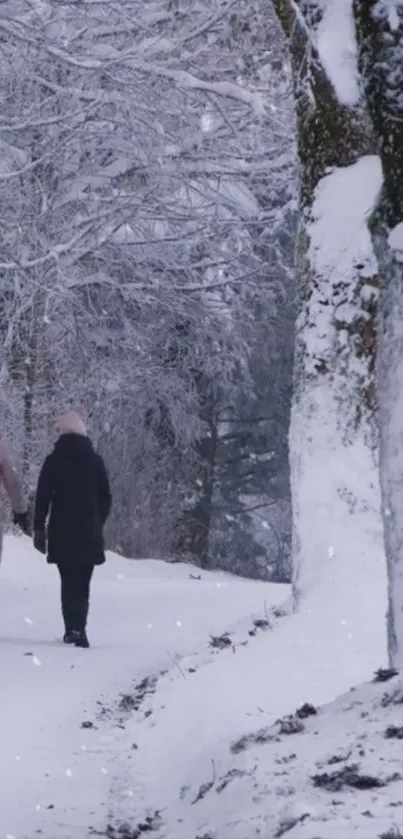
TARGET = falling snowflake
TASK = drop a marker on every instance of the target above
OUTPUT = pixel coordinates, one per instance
(17, 757)
(104, 771)
(83, 748)
(69, 773)
(331, 552)
(37, 808)
(120, 576)
(129, 793)
(28, 621)
(179, 624)
(149, 626)
(35, 660)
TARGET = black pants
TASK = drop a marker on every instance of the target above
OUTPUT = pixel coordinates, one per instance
(75, 591)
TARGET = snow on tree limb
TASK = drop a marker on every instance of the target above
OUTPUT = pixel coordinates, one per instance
(182, 78)
(338, 50)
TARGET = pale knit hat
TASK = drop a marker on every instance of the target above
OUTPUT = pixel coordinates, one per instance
(71, 423)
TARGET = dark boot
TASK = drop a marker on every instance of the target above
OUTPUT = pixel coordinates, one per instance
(80, 639)
(68, 637)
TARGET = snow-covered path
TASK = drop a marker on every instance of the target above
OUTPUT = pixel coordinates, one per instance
(55, 775)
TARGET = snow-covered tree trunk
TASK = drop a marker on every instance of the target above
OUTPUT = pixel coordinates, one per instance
(390, 394)
(380, 38)
(337, 531)
(337, 526)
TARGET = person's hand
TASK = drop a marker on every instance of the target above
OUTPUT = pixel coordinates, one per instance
(40, 541)
(22, 521)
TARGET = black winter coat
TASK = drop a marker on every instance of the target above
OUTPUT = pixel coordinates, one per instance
(73, 490)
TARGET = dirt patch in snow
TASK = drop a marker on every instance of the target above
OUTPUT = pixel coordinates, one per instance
(133, 701)
(384, 674)
(290, 724)
(220, 642)
(127, 831)
(348, 776)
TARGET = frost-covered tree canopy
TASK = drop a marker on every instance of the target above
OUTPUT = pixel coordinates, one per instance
(147, 193)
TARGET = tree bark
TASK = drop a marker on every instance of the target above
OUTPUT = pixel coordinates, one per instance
(195, 525)
(379, 30)
(337, 533)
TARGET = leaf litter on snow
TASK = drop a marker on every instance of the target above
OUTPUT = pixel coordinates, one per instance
(344, 769)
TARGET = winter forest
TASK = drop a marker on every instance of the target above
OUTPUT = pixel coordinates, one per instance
(201, 221)
(148, 215)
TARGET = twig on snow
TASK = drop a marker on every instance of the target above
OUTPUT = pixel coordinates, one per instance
(176, 663)
(205, 788)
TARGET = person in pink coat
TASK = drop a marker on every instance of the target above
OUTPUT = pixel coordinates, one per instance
(12, 484)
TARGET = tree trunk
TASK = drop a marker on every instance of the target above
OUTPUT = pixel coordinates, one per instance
(28, 424)
(337, 534)
(379, 30)
(390, 394)
(31, 337)
(195, 525)
(338, 556)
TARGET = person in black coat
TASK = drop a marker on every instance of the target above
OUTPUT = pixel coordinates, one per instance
(73, 501)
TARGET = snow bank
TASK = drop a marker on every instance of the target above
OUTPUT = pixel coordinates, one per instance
(183, 734)
(339, 775)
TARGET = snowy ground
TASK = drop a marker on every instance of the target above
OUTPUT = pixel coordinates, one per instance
(206, 787)
(167, 727)
(335, 774)
(66, 748)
